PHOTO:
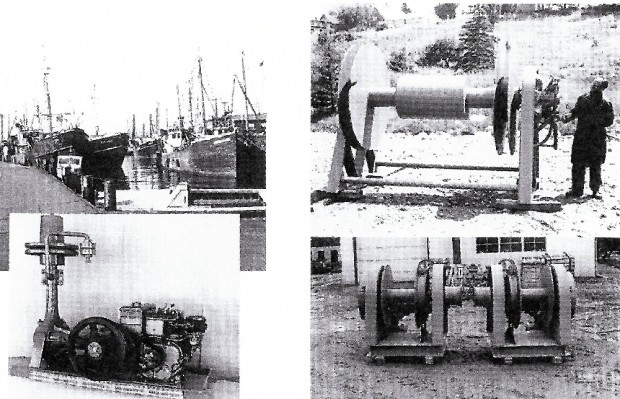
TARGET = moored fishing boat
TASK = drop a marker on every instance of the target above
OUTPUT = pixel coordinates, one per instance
(204, 155)
(101, 155)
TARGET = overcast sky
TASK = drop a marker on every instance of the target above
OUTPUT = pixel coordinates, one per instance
(133, 52)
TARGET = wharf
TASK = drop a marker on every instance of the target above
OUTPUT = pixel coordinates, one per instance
(26, 189)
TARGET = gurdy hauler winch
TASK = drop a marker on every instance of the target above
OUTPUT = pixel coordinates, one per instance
(364, 107)
(147, 344)
(540, 287)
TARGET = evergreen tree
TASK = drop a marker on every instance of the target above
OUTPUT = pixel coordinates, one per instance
(358, 17)
(325, 65)
(398, 61)
(476, 42)
(493, 11)
(446, 10)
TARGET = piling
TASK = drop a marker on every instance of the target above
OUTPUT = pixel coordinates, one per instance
(88, 188)
(109, 198)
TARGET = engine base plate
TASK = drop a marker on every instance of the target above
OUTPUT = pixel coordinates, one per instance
(124, 387)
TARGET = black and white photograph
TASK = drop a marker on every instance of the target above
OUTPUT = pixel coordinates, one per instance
(134, 107)
(451, 169)
(464, 116)
(438, 317)
(117, 304)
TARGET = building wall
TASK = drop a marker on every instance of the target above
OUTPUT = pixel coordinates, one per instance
(469, 255)
(403, 254)
(189, 260)
(582, 248)
(314, 252)
(347, 258)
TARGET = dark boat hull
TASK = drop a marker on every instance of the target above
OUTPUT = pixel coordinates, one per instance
(106, 153)
(251, 161)
(74, 141)
(146, 150)
(100, 156)
(211, 156)
(236, 159)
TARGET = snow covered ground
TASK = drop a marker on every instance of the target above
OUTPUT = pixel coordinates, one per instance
(410, 211)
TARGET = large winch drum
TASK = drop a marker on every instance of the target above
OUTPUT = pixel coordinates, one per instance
(419, 96)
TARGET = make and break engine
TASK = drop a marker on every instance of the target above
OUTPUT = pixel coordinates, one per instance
(148, 343)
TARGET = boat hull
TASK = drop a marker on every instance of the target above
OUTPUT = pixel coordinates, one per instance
(74, 141)
(251, 161)
(213, 155)
(236, 159)
(101, 157)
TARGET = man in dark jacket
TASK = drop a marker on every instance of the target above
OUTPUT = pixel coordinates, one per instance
(593, 115)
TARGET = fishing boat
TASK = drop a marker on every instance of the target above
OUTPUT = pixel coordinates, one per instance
(251, 153)
(207, 155)
(102, 155)
(229, 146)
(144, 146)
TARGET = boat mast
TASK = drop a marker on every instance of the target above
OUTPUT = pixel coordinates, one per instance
(232, 97)
(95, 115)
(202, 96)
(49, 101)
(133, 127)
(191, 110)
(245, 87)
(38, 116)
(150, 125)
(179, 105)
(157, 120)
(247, 99)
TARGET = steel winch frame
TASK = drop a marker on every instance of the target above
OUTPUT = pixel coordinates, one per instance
(539, 286)
(435, 97)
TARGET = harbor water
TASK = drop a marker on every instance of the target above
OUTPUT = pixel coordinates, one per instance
(143, 173)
